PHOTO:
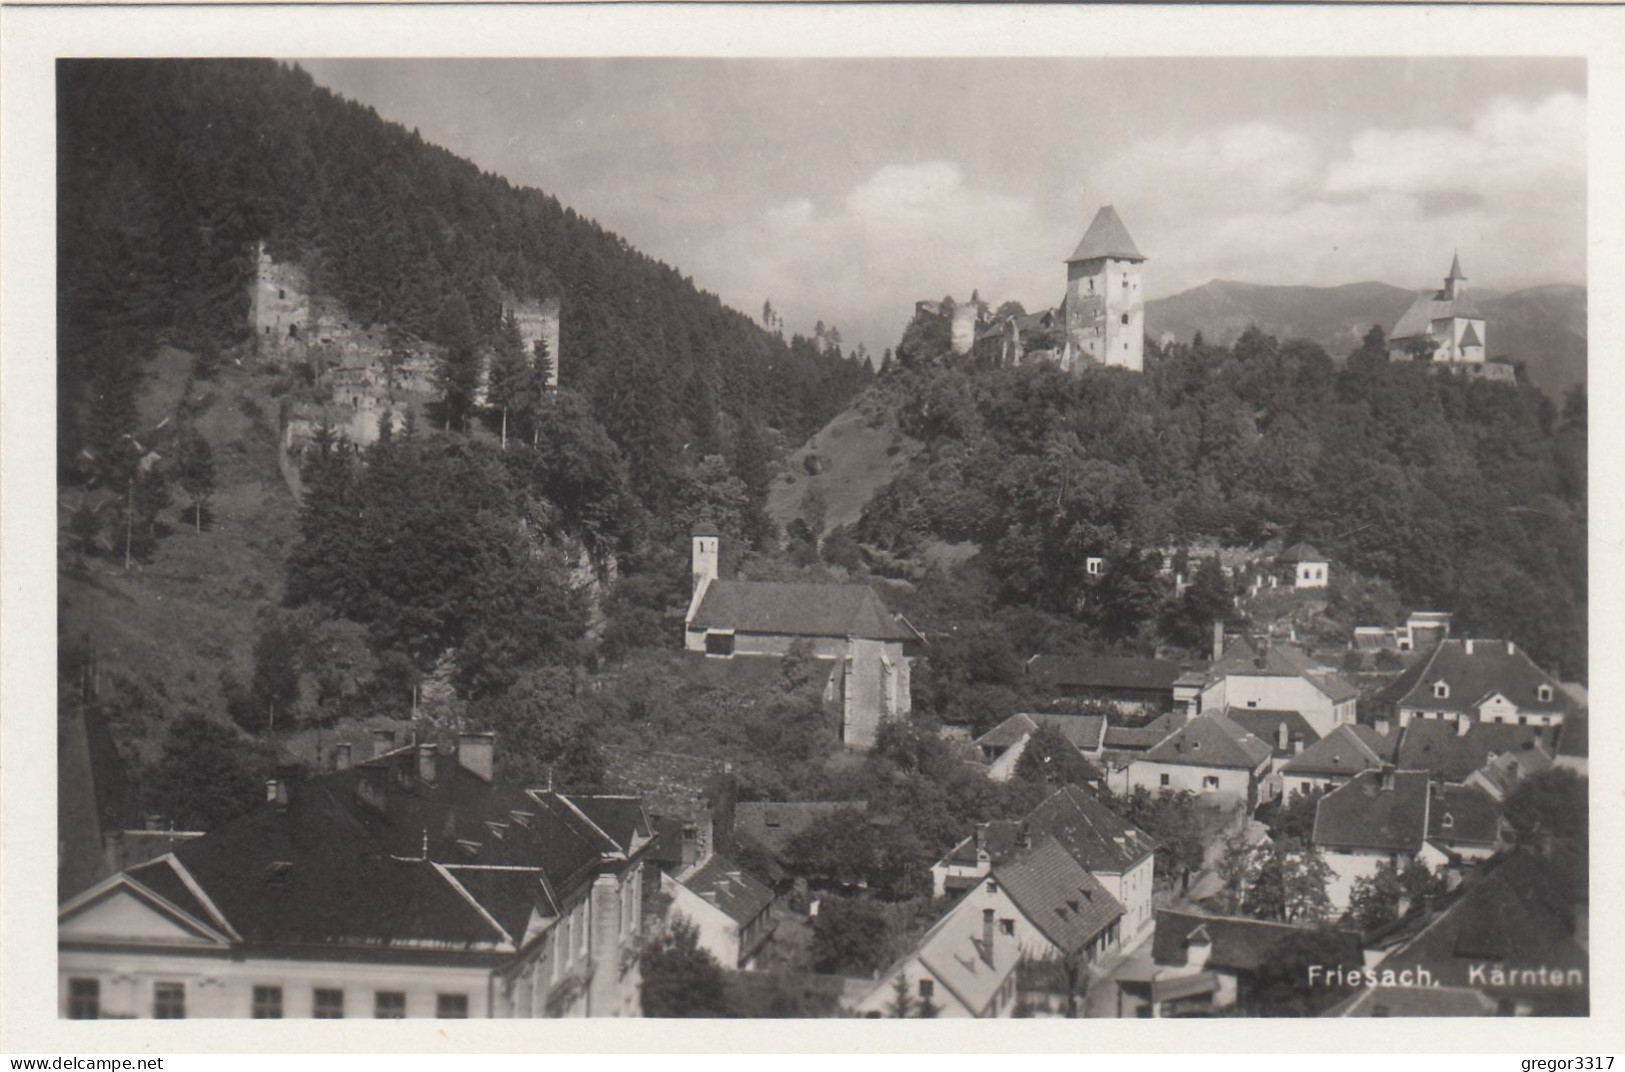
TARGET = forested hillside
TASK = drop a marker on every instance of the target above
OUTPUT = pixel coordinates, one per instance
(169, 171)
(1464, 496)
(437, 569)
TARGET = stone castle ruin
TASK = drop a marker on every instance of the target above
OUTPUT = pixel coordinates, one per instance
(360, 371)
(1100, 321)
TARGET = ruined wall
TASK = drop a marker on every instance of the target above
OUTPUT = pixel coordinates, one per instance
(279, 306)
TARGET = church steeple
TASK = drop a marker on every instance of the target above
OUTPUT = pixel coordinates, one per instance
(1451, 290)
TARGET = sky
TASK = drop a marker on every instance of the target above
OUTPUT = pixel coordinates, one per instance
(844, 190)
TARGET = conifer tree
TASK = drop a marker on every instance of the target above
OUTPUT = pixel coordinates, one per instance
(194, 470)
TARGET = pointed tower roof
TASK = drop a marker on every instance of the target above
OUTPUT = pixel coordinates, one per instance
(1455, 268)
(1106, 237)
(1470, 337)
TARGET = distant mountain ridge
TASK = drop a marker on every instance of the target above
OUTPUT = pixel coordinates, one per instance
(1543, 326)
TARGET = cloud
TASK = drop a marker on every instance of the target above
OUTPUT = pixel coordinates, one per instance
(907, 231)
(1256, 201)
(1265, 204)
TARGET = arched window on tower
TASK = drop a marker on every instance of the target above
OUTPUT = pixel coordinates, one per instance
(1125, 318)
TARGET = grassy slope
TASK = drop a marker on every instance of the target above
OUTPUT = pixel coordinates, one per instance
(170, 626)
(853, 450)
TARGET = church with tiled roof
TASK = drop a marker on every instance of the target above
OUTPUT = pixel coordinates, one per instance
(1446, 326)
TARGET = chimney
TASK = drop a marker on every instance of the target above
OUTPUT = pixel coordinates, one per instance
(1463, 724)
(981, 843)
(987, 936)
(1218, 641)
(476, 753)
(1382, 724)
(426, 761)
(1385, 778)
(1468, 645)
(341, 756)
(1512, 649)
(1024, 837)
(382, 741)
(1297, 744)
(272, 791)
(1282, 738)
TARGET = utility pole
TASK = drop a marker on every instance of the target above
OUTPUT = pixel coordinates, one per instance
(129, 509)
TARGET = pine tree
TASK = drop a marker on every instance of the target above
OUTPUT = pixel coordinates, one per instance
(506, 386)
(194, 471)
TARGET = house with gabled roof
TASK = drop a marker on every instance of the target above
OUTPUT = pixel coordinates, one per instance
(1487, 681)
(1454, 750)
(1262, 674)
(1379, 816)
(1117, 853)
(1465, 823)
(1338, 757)
(963, 967)
(731, 909)
(1132, 685)
(1514, 935)
(1002, 746)
(1287, 732)
(1049, 902)
(845, 625)
(414, 884)
(1302, 566)
(1202, 964)
(1210, 756)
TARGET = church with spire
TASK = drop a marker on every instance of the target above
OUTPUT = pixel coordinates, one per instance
(1445, 326)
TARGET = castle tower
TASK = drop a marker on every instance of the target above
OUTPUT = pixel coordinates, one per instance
(967, 318)
(1105, 307)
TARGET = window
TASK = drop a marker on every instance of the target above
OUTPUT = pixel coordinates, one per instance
(1543, 693)
(267, 1003)
(1448, 821)
(1125, 315)
(451, 1006)
(1210, 782)
(1165, 783)
(84, 999)
(293, 331)
(389, 1005)
(928, 989)
(1252, 703)
(1441, 690)
(1008, 926)
(1523, 720)
(719, 643)
(992, 886)
(169, 1001)
(329, 1005)
(281, 293)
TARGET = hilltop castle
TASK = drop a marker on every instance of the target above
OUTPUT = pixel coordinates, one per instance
(1100, 321)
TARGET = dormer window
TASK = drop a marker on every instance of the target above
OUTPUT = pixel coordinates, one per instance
(1447, 822)
(1441, 690)
(1543, 693)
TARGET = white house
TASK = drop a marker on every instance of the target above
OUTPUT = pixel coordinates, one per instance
(1118, 854)
(1490, 681)
(406, 886)
(1379, 816)
(1304, 567)
(964, 967)
(1210, 756)
(730, 908)
(1268, 676)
